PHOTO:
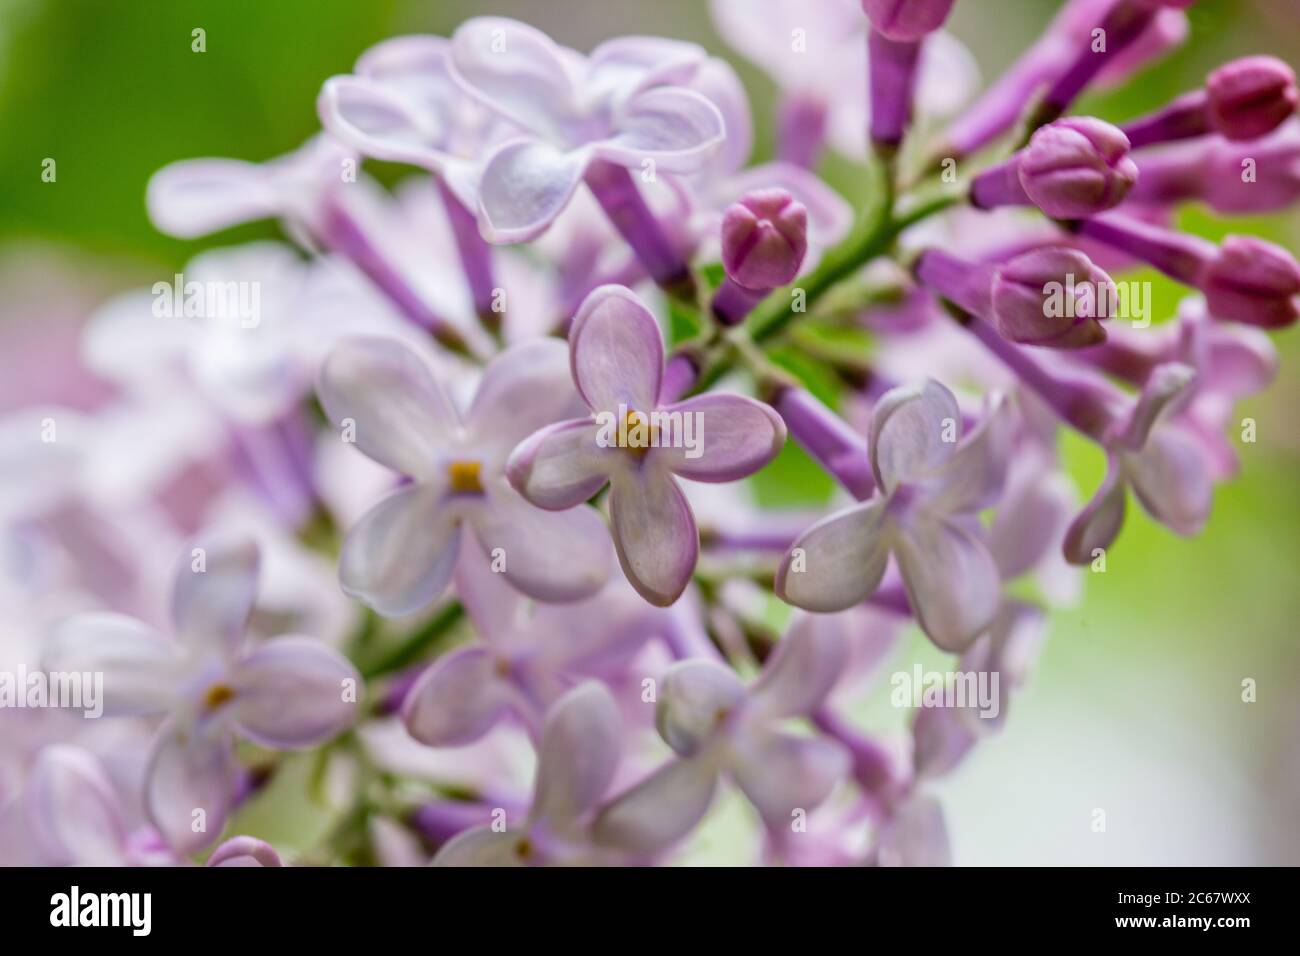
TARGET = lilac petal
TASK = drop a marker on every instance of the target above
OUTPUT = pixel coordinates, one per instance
(1034, 514)
(735, 436)
(525, 388)
(695, 699)
(191, 769)
(951, 578)
(400, 414)
(843, 558)
(548, 555)
(400, 556)
(481, 846)
(616, 351)
(579, 753)
(972, 479)
(561, 466)
(661, 809)
(377, 120)
(676, 128)
(75, 814)
(718, 83)
(908, 428)
(457, 700)
(829, 216)
(1241, 360)
(494, 607)
(244, 851)
(941, 739)
(525, 185)
(196, 197)
(1010, 649)
(629, 65)
(519, 72)
(803, 668)
(780, 773)
(211, 600)
(1171, 479)
(294, 692)
(654, 532)
(1169, 385)
(1099, 522)
(141, 668)
(914, 836)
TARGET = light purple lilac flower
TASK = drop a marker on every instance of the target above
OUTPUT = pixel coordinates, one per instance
(286, 693)
(401, 555)
(931, 487)
(617, 357)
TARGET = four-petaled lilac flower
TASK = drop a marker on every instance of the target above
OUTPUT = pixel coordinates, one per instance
(932, 488)
(637, 446)
(401, 555)
(581, 746)
(1160, 458)
(286, 693)
(626, 103)
(716, 725)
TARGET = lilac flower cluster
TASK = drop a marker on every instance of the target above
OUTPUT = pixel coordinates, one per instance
(548, 346)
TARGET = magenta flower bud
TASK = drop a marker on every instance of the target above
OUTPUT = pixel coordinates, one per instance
(1250, 97)
(1052, 297)
(1077, 167)
(1252, 281)
(906, 20)
(764, 239)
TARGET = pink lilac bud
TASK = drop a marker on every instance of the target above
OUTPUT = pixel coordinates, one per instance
(1259, 176)
(764, 239)
(1071, 169)
(906, 20)
(1254, 282)
(1052, 297)
(1250, 97)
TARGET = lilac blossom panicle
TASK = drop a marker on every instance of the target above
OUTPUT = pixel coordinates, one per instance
(512, 410)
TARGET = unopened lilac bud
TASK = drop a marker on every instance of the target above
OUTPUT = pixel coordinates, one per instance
(1252, 281)
(906, 20)
(1077, 167)
(1052, 297)
(1250, 97)
(764, 239)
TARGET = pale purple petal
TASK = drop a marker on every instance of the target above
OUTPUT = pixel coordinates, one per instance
(951, 578)
(1171, 478)
(616, 351)
(379, 121)
(914, 836)
(195, 197)
(628, 65)
(972, 479)
(548, 555)
(525, 388)
(481, 846)
(654, 532)
(400, 415)
(191, 769)
(561, 466)
(781, 773)
(908, 428)
(1169, 385)
(525, 185)
(294, 692)
(578, 755)
(695, 699)
(214, 592)
(74, 812)
(1099, 522)
(141, 667)
(660, 810)
(676, 128)
(734, 435)
(837, 562)
(399, 557)
(457, 700)
(244, 851)
(803, 668)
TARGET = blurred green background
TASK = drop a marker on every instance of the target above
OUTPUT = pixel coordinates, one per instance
(1136, 706)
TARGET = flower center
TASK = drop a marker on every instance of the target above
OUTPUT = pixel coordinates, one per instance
(217, 695)
(637, 435)
(464, 477)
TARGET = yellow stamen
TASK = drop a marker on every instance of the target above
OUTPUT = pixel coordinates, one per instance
(638, 434)
(464, 476)
(217, 695)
